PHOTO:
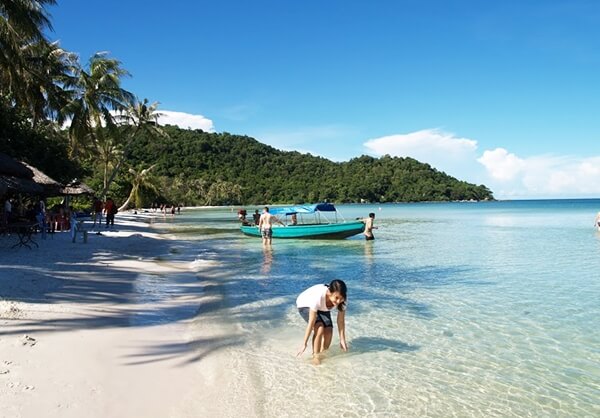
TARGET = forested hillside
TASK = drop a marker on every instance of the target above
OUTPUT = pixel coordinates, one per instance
(209, 168)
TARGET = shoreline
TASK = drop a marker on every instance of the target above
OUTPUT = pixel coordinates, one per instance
(96, 329)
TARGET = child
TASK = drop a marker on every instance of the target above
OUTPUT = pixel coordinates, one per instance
(314, 305)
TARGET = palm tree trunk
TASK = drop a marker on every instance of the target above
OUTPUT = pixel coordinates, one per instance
(131, 195)
(119, 163)
(105, 188)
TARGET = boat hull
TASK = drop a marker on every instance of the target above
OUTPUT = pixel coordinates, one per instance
(318, 231)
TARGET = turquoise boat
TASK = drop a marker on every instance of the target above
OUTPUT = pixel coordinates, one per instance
(318, 221)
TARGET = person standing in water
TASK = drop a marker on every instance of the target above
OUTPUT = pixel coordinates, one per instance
(597, 221)
(315, 305)
(368, 232)
(265, 225)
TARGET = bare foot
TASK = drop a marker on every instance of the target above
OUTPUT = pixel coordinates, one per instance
(316, 361)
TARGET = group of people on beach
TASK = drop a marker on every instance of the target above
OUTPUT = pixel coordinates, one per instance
(166, 208)
(107, 208)
(35, 210)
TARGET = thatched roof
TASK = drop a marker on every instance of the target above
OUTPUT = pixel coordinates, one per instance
(20, 185)
(11, 167)
(76, 188)
(21, 177)
(49, 184)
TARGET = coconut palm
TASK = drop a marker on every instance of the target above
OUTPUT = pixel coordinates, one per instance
(223, 192)
(21, 22)
(96, 92)
(140, 118)
(141, 178)
(108, 153)
(48, 69)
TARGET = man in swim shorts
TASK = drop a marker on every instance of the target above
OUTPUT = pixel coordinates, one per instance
(265, 224)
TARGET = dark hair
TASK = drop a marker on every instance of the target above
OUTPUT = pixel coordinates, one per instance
(371, 215)
(340, 287)
(266, 208)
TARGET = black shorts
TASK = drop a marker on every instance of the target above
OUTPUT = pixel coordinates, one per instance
(323, 317)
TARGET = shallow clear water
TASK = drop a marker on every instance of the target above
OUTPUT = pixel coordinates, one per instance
(459, 309)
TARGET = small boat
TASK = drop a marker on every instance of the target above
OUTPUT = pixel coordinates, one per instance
(319, 224)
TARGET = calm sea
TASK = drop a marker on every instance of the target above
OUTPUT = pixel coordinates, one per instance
(456, 309)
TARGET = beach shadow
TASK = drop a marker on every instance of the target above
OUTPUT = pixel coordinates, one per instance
(195, 350)
(249, 285)
(362, 345)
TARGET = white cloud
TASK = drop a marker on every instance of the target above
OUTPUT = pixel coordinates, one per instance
(185, 120)
(506, 174)
(422, 145)
(442, 150)
(501, 165)
(542, 175)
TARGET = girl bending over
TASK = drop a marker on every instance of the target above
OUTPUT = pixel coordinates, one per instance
(314, 305)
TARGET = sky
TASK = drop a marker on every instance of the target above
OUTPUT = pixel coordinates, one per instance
(502, 93)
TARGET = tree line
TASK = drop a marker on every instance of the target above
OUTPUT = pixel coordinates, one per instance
(221, 168)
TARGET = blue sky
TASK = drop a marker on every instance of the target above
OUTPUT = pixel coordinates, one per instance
(504, 93)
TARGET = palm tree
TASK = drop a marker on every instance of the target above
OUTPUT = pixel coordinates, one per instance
(107, 152)
(223, 192)
(140, 118)
(141, 178)
(21, 22)
(96, 92)
(49, 69)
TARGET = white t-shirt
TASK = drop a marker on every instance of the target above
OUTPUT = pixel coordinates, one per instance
(313, 298)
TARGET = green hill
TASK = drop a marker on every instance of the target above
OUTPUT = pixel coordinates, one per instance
(239, 169)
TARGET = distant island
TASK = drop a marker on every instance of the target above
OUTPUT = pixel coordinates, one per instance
(241, 170)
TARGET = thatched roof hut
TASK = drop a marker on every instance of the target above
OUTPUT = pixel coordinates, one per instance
(50, 186)
(76, 187)
(11, 167)
(19, 185)
(21, 177)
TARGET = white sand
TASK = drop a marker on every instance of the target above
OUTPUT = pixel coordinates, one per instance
(85, 333)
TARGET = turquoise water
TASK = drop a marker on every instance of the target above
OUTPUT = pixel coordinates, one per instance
(457, 309)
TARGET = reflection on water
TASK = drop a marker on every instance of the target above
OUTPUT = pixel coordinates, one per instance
(267, 260)
(369, 252)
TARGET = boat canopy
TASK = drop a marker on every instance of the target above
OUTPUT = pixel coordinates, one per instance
(290, 210)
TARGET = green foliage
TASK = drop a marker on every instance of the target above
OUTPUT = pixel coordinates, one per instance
(195, 167)
(42, 146)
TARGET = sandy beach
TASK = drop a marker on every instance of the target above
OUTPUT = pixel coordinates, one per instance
(85, 332)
